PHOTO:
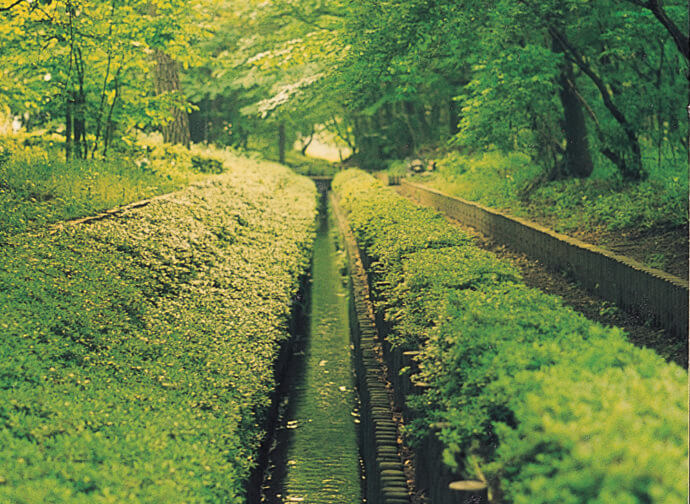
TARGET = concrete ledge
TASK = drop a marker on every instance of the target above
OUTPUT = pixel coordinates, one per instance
(650, 293)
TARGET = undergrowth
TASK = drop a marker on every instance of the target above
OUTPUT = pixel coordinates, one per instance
(38, 186)
(137, 352)
(601, 201)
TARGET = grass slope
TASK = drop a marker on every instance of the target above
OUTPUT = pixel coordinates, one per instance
(38, 187)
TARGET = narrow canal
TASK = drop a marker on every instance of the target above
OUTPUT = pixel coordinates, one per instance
(316, 457)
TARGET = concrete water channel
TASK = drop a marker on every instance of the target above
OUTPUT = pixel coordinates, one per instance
(316, 457)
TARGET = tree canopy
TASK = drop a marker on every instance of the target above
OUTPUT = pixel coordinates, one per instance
(565, 81)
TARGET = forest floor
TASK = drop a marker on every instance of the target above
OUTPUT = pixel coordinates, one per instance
(663, 246)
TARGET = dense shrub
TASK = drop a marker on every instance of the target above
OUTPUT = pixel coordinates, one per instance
(546, 405)
(137, 353)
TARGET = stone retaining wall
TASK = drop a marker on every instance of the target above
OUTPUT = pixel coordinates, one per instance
(650, 293)
(385, 479)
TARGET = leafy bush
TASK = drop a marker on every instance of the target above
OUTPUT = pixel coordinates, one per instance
(207, 165)
(137, 352)
(544, 404)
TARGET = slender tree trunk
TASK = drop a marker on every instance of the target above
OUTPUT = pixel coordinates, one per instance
(578, 161)
(68, 126)
(423, 124)
(435, 121)
(409, 115)
(109, 123)
(82, 148)
(310, 139)
(453, 117)
(79, 128)
(659, 113)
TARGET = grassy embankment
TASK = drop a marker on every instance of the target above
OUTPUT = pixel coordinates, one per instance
(647, 220)
(544, 404)
(136, 352)
(38, 187)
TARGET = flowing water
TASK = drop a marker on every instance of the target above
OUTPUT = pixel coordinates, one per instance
(316, 459)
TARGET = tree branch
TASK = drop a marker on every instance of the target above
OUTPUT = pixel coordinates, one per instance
(584, 103)
(10, 7)
(577, 58)
(681, 40)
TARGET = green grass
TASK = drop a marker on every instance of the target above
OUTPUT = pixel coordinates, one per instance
(136, 357)
(38, 187)
(544, 404)
(601, 201)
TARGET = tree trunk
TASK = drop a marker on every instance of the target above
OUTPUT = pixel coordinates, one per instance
(423, 124)
(198, 121)
(308, 142)
(435, 121)
(630, 162)
(68, 127)
(453, 117)
(79, 128)
(109, 123)
(176, 130)
(578, 161)
(409, 113)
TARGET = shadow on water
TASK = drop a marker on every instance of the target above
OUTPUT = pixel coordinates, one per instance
(315, 454)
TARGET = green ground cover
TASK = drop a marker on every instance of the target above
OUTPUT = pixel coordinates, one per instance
(38, 187)
(544, 404)
(601, 201)
(136, 352)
